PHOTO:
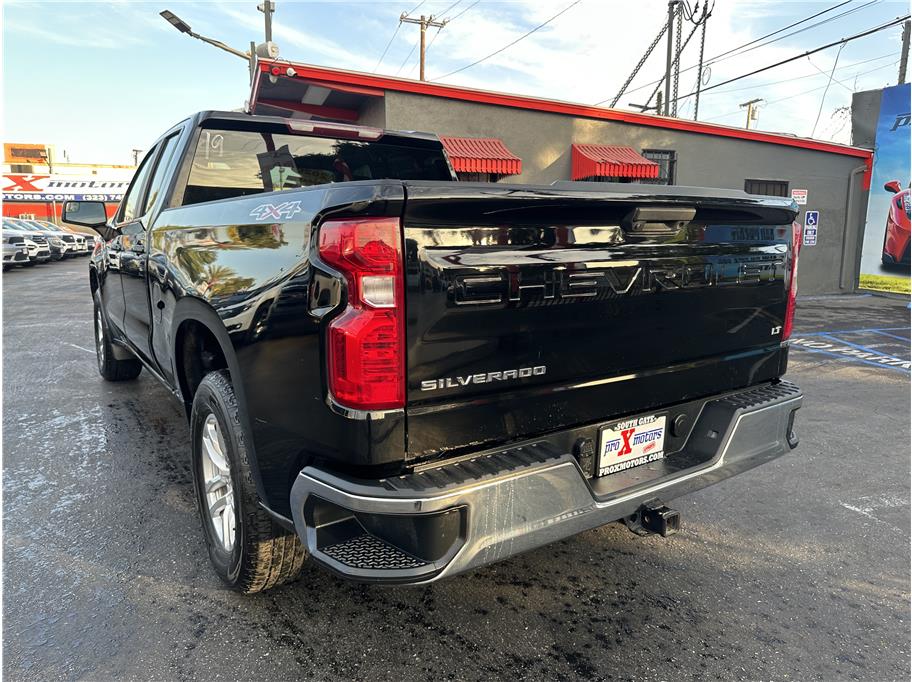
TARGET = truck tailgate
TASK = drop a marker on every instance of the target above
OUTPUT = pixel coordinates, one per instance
(533, 309)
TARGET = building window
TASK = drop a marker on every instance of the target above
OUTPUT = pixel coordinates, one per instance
(773, 188)
(667, 160)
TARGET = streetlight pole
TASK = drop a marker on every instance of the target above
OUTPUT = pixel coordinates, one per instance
(184, 27)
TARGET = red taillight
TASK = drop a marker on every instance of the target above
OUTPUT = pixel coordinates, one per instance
(793, 283)
(366, 343)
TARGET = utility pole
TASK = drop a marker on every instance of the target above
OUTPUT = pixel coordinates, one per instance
(136, 153)
(750, 110)
(424, 22)
(267, 7)
(904, 57)
(672, 7)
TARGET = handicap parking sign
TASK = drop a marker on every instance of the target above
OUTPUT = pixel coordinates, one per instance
(811, 224)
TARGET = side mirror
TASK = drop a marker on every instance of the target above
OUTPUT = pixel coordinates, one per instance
(89, 214)
(893, 186)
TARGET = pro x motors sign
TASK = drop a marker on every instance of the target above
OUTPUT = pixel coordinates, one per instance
(27, 187)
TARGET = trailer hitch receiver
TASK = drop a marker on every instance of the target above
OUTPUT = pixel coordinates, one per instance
(654, 518)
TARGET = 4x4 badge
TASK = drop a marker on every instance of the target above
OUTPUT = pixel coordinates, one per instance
(286, 210)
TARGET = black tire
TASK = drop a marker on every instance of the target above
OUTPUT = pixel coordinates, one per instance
(110, 368)
(262, 553)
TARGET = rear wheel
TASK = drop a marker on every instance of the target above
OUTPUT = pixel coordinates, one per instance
(249, 551)
(109, 366)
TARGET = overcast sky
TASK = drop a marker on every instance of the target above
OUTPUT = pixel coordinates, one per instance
(100, 79)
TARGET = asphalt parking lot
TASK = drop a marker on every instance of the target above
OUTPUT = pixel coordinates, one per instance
(797, 570)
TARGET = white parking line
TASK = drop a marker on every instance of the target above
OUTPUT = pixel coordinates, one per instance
(87, 350)
(866, 505)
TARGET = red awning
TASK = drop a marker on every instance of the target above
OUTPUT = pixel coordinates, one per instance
(604, 161)
(481, 155)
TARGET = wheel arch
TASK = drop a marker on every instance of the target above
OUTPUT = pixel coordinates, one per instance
(193, 316)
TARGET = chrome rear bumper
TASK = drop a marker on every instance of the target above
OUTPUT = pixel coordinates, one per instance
(438, 522)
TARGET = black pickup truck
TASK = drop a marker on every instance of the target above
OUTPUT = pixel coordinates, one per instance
(402, 377)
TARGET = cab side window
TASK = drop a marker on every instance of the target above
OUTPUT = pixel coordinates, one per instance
(130, 209)
(159, 177)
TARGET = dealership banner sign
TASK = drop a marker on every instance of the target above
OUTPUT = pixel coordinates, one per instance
(885, 255)
(29, 187)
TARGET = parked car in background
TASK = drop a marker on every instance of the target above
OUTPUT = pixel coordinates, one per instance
(79, 242)
(84, 242)
(896, 234)
(56, 245)
(15, 252)
(66, 241)
(39, 250)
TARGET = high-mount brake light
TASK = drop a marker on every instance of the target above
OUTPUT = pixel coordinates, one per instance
(793, 283)
(335, 130)
(366, 343)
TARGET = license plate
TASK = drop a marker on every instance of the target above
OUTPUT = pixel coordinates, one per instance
(631, 443)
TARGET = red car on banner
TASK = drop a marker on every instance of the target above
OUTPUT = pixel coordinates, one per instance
(896, 236)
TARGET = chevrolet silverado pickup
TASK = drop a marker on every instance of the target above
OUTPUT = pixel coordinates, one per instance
(401, 377)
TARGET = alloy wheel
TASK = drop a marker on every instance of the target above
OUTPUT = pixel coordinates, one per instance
(218, 489)
(99, 338)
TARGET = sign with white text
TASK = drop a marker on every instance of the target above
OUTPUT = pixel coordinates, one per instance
(30, 187)
(800, 196)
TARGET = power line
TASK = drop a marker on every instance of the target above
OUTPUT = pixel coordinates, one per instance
(792, 25)
(496, 52)
(824, 73)
(465, 10)
(849, 39)
(437, 33)
(386, 49)
(407, 57)
(434, 37)
(797, 78)
(449, 8)
(739, 51)
(741, 48)
(782, 99)
(827, 89)
(393, 37)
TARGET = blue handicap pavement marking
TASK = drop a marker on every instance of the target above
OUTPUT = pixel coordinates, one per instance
(881, 332)
(827, 343)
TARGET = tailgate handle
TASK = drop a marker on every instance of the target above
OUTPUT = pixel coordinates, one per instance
(657, 220)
